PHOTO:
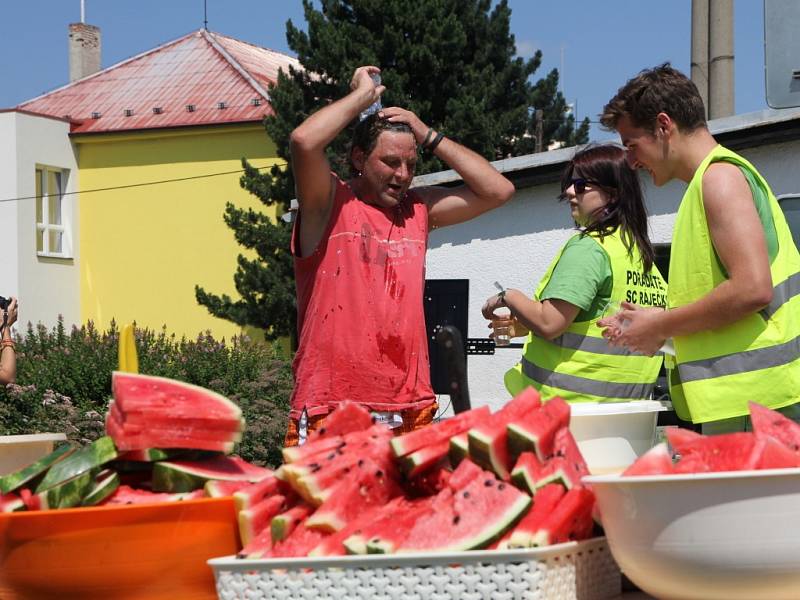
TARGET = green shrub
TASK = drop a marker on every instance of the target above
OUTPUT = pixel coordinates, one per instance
(64, 382)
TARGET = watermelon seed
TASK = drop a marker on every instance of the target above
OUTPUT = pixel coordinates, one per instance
(466, 494)
(322, 431)
(488, 483)
(378, 473)
(501, 487)
(332, 455)
(315, 468)
(457, 518)
(360, 462)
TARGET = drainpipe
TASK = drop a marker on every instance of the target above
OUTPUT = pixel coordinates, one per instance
(720, 59)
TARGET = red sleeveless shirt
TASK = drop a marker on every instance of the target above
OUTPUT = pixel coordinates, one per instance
(360, 310)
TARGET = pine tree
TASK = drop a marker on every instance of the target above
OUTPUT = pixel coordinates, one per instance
(452, 62)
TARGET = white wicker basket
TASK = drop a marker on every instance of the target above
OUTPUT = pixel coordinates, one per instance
(575, 570)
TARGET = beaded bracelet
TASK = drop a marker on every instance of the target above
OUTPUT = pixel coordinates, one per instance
(7, 344)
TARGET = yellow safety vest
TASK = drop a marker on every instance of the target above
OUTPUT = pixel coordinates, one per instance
(579, 365)
(756, 358)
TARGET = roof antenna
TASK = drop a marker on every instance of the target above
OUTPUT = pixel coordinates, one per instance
(205, 15)
(83, 12)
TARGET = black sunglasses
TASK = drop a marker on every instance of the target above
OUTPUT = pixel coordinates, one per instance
(579, 183)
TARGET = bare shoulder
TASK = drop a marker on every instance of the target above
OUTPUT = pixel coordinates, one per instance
(724, 182)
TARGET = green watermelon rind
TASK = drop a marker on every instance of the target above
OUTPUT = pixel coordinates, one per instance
(459, 449)
(480, 452)
(13, 481)
(66, 494)
(103, 487)
(15, 504)
(236, 412)
(491, 531)
(83, 460)
(521, 478)
(173, 477)
(418, 461)
(438, 432)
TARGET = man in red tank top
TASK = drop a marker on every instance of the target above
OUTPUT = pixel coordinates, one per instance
(359, 248)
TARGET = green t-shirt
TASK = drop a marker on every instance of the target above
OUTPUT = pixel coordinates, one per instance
(582, 277)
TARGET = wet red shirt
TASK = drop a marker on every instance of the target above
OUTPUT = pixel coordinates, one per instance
(361, 321)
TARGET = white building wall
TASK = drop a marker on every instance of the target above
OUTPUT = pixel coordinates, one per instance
(516, 243)
(47, 287)
(9, 242)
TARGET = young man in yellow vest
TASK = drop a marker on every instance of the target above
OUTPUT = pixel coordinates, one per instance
(733, 306)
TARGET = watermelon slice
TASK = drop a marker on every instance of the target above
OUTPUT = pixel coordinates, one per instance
(769, 453)
(258, 547)
(128, 495)
(489, 442)
(348, 416)
(299, 543)
(333, 544)
(544, 503)
(464, 474)
(81, 461)
(64, 494)
(11, 503)
(173, 429)
(328, 444)
(147, 439)
(526, 472)
(459, 448)
(478, 513)
(146, 455)
(220, 489)
(284, 523)
(103, 486)
(185, 476)
(571, 519)
(679, 437)
(724, 452)
(165, 416)
(254, 520)
(428, 483)
(317, 487)
(385, 535)
(30, 474)
(253, 493)
(170, 398)
(358, 491)
(767, 422)
(421, 460)
(656, 461)
(440, 432)
(536, 431)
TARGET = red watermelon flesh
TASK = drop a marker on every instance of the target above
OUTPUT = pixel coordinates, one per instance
(259, 517)
(768, 422)
(464, 474)
(253, 493)
(425, 458)
(317, 487)
(656, 461)
(769, 453)
(133, 391)
(724, 452)
(358, 491)
(388, 531)
(299, 543)
(477, 515)
(258, 546)
(565, 447)
(348, 416)
(545, 501)
(571, 519)
(11, 502)
(488, 442)
(295, 453)
(284, 523)
(164, 417)
(220, 489)
(429, 483)
(124, 441)
(526, 472)
(333, 544)
(128, 495)
(536, 431)
(440, 432)
(171, 430)
(679, 438)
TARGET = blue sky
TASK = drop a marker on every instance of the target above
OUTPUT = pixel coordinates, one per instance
(603, 42)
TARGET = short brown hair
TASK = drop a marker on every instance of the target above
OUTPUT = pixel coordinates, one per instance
(652, 91)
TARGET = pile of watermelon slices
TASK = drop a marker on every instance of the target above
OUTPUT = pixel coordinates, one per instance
(774, 443)
(478, 480)
(165, 441)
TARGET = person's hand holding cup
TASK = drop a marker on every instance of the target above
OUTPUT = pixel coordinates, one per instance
(502, 324)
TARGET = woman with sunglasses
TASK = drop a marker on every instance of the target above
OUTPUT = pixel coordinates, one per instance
(608, 261)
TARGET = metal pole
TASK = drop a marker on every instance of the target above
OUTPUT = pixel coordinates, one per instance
(699, 62)
(720, 59)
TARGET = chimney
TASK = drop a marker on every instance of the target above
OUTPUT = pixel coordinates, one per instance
(84, 50)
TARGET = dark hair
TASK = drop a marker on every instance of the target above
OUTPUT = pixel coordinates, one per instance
(606, 165)
(652, 91)
(366, 132)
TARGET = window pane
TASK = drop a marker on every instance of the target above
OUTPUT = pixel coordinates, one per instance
(39, 187)
(54, 204)
(54, 242)
(39, 238)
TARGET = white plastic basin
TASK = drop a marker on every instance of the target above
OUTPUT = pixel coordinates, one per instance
(716, 536)
(611, 435)
(18, 451)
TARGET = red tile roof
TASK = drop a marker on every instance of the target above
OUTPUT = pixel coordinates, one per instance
(153, 89)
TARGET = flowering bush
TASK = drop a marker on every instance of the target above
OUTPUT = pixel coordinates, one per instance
(64, 382)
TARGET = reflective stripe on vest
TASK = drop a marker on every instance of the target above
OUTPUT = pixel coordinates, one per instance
(781, 294)
(589, 387)
(585, 343)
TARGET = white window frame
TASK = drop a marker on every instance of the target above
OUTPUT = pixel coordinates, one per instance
(44, 197)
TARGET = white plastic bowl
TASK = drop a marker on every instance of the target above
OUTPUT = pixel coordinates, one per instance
(715, 536)
(611, 435)
(18, 451)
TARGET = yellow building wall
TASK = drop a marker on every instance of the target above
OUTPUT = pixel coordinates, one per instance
(143, 249)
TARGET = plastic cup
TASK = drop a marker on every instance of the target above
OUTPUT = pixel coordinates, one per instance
(502, 329)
